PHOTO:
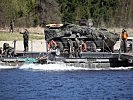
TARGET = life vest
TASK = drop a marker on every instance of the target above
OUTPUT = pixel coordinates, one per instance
(124, 35)
(52, 44)
(84, 47)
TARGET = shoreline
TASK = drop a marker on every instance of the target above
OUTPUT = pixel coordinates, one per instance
(40, 30)
(37, 30)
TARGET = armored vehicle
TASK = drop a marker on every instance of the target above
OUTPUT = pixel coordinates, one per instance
(69, 40)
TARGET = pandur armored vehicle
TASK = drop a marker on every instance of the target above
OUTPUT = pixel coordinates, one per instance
(70, 40)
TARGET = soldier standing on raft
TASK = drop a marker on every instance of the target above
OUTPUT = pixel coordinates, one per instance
(25, 39)
(124, 40)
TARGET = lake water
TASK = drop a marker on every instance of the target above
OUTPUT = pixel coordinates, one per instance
(60, 82)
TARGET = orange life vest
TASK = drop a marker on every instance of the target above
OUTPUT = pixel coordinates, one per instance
(124, 35)
(52, 44)
(84, 47)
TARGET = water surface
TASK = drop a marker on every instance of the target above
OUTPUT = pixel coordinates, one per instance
(34, 82)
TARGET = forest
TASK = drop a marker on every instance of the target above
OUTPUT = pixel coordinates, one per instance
(32, 13)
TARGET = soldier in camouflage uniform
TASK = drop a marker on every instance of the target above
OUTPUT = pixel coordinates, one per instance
(26, 39)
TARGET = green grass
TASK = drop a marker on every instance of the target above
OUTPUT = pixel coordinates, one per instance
(6, 36)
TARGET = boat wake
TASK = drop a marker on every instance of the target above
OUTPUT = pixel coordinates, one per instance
(8, 67)
(51, 67)
(58, 67)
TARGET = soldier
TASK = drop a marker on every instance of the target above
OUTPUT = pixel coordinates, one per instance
(124, 40)
(11, 26)
(84, 46)
(76, 46)
(52, 45)
(25, 39)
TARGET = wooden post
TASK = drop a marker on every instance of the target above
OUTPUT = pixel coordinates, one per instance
(46, 46)
(119, 56)
(132, 45)
(31, 46)
(14, 46)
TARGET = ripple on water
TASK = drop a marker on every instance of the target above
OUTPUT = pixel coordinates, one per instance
(20, 84)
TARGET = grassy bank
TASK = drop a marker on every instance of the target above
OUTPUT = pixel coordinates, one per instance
(6, 36)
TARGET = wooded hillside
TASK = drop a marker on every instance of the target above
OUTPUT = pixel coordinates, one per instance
(29, 13)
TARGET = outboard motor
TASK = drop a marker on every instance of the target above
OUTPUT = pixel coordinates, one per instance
(7, 50)
(5, 46)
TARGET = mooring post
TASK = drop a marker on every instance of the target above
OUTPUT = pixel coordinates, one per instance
(132, 45)
(46, 43)
(103, 45)
(31, 46)
(119, 56)
(14, 46)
